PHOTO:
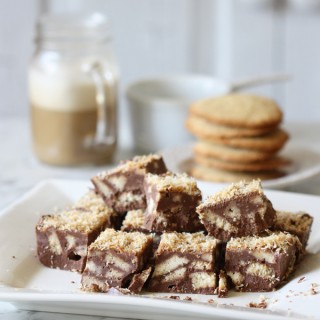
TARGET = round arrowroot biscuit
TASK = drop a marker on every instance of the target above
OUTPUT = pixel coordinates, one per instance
(221, 152)
(205, 173)
(239, 110)
(204, 129)
(273, 163)
(271, 142)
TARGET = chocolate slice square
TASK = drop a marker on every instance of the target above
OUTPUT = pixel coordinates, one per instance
(171, 203)
(63, 239)
(114, 258)
(261, 263)
(298, 224)
(122, 187)
(241, 209)
(185, 263)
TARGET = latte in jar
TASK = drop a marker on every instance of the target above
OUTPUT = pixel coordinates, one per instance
(72, 92)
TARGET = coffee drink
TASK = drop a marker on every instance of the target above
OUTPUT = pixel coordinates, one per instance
(64, 119)
(72, 90)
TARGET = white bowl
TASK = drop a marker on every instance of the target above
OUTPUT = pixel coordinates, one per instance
(159, 107)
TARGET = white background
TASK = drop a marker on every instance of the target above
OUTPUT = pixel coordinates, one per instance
(232, 39)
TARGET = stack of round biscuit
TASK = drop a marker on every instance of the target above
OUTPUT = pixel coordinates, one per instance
(239, 138)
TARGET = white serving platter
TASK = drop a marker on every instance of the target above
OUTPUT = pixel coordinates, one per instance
(30, 286)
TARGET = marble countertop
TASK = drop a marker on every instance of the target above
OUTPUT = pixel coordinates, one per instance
(21, 171)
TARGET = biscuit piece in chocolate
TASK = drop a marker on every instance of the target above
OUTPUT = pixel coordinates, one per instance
(171, 203)
(122, 187)
(93, 200)
(261, 263)
(298, 224)
(114, 258)
(239, 210)
(134, 221)
(62, 239)
(185, 263)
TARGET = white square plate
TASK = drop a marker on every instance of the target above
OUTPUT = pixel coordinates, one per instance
(31, 286)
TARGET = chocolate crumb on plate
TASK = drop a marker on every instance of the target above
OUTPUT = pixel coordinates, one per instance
(313, 289)
(262, 304)
(187, 298)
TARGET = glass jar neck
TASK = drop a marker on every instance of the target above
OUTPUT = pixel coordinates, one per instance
(72, 32)
(70, 45)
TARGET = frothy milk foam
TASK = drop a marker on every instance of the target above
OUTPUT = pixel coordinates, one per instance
(64, 115)
(62, 90)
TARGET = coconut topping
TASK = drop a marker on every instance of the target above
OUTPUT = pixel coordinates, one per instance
(187, 242)
(132, 242)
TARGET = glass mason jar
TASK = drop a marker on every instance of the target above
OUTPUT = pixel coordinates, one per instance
(73, 90)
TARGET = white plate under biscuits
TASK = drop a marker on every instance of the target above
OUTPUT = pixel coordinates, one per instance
(30, 286)
(305, 164)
